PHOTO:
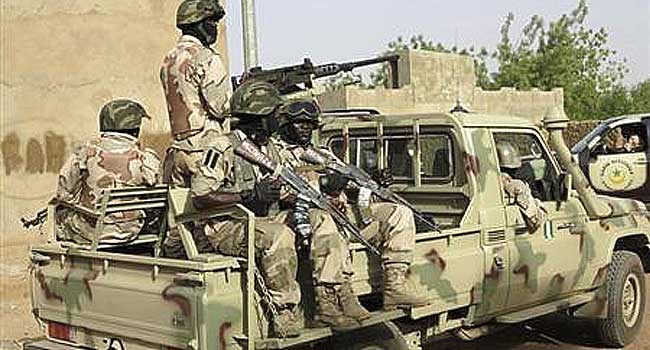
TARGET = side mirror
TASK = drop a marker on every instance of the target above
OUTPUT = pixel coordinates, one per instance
(562, 187)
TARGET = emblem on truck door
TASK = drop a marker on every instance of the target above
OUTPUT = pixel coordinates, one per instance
(617, 175)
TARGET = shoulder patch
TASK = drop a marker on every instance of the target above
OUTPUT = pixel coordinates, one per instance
(210, 158)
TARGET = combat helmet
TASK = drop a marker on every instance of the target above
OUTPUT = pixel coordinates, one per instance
(300, 110)
(508, 155)
(122, 114)
(193, 11)
(255, 98)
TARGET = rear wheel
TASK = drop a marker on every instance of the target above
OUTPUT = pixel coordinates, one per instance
(625, 300)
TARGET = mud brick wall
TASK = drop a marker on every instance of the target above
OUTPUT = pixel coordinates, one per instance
(433, 82)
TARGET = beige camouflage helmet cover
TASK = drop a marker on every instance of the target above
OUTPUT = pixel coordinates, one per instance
(121, 114)
(255, 98)
(192, 11)
(508, 155)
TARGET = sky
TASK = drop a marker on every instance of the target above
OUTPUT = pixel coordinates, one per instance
(344, 30)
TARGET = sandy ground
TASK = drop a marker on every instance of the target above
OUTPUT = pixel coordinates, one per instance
(553, 332)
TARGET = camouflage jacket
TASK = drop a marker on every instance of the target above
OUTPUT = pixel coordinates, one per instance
(290, 155)
(519, 194)
(197, 89)
(112, 160)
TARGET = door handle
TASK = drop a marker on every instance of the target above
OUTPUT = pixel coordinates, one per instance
(641, 161)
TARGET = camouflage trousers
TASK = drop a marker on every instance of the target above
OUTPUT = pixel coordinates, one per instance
(392, 231)
(328, 250)
(118, 227)
(274, 251)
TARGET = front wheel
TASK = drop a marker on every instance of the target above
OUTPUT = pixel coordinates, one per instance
(625, 300)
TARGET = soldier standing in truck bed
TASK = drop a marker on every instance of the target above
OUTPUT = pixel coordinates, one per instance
(195, 81)
(114, 159)
(391, 226)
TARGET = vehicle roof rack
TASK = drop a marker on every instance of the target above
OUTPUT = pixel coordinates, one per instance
(362, 113)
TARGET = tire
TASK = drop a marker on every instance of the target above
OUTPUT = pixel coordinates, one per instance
(625, 300)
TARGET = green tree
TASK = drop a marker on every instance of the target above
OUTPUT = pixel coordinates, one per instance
(565, 53)
(640, 97)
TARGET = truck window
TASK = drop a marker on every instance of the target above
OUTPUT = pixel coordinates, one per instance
(536, 168)
(626, 138)
(436, 155)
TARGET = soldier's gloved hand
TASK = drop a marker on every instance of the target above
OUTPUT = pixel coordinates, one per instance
(267, 191)
(333, 183)
(384, 177)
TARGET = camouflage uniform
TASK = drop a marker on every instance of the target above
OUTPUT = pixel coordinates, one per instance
(112, 160)
(392, 226)
(197, 89)
(215, 168)
(518, 193)
(328, 250)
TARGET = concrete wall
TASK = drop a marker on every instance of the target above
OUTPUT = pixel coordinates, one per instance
(61, 61)
(432, 81)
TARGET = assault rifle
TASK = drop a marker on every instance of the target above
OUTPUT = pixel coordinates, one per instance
(251, 153)
(288, 79)
(362, 179)
(39, 219)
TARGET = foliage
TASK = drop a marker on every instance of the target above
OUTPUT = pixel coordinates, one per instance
(565, 53)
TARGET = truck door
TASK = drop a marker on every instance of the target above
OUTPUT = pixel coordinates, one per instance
(544, 260)
(618, 163)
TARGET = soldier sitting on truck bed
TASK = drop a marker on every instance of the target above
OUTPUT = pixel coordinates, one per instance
(518, 191)
(390, 226)
(216, 176)
(112, 160)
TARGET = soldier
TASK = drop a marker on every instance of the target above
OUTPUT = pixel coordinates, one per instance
(328, 249)
(214, 176)
(389, 226)
(114, 159)
(518, 192)
(195, 82)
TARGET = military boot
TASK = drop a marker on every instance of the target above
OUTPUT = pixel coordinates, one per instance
(286, 324)
(350, 304)
(396, 293)
(329, 312)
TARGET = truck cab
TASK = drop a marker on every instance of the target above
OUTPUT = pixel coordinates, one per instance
(614, 156)
(485, 268)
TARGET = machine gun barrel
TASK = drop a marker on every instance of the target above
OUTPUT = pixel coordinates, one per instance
(287, 79)
(335, 68)
(362, 179)
(250, 152)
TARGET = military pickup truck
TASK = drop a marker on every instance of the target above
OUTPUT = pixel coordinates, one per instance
(483, 270)
(615, 157)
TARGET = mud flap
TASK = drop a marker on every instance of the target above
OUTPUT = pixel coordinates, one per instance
(385, 335)
(597, 308)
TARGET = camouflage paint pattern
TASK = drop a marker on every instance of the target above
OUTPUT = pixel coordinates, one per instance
(487, 262)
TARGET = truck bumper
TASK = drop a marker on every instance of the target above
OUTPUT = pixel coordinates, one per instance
(46, 344)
